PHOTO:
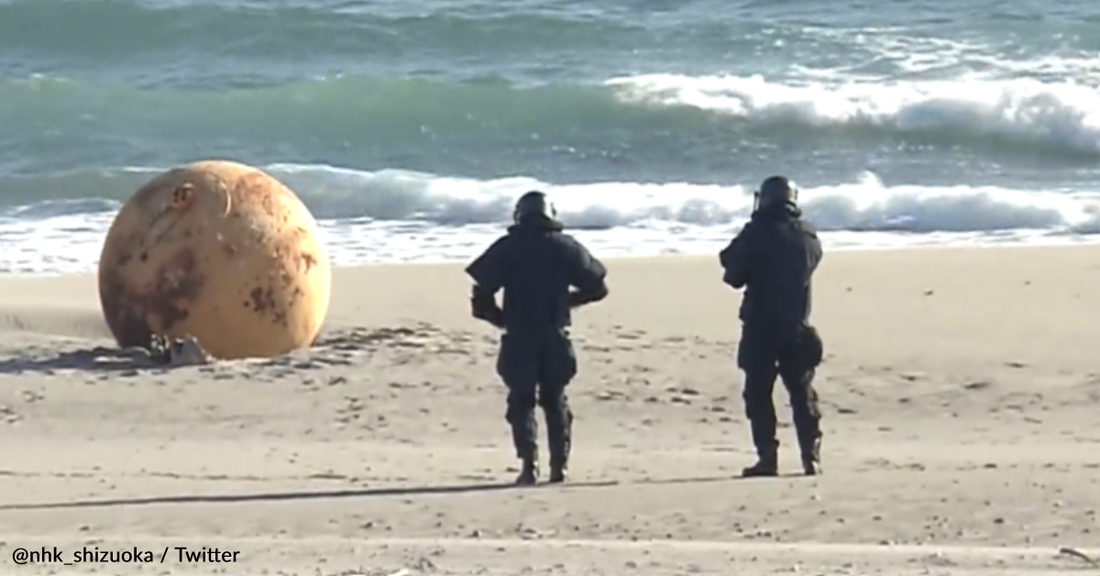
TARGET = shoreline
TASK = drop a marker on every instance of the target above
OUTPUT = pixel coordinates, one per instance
(389, 294)
(1092, 242)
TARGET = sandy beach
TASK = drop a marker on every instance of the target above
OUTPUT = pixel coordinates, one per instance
(960, 396)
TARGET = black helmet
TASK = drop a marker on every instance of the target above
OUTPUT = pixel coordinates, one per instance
(776, 190)
(534, 204)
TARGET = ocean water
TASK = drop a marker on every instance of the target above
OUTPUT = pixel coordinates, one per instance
(409, 127)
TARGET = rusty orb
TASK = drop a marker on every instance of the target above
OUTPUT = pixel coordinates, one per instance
(218, 251)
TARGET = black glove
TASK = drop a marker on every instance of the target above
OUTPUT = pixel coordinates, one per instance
(494, 316)
(484, 307)
(581, 297)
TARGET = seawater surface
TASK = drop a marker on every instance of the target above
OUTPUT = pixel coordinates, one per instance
(409, 128)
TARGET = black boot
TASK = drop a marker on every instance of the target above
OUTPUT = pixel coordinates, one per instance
(811, 458)
(525, 429)
(559, 431)
(559, 469)
(767, 464)
(807, 420)
(529, 471)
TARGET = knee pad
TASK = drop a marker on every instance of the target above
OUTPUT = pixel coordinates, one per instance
(750, 402)
(798, 393)
(755, 394)
(524, 400)
(551, 401)
(756, 400)
(520, 405)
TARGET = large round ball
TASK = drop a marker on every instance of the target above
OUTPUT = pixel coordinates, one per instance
(218, 251)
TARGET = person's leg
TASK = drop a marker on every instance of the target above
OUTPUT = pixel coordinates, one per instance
(798, 361)
(517, 365)
(757, 358)
(806, 414)
(558, 368)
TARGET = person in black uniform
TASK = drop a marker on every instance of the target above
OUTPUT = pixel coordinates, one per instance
(536, 264)
(774, 258)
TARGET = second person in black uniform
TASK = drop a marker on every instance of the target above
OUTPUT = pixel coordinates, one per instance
(774, 258)
(536, 264)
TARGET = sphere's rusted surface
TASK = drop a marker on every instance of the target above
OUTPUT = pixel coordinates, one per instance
(218, 251)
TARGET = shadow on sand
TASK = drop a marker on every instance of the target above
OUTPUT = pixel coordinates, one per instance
(296, 495)
(362, 493)
(98, 359)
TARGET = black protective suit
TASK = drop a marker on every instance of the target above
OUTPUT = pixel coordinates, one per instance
(773, 258)
(536, 264)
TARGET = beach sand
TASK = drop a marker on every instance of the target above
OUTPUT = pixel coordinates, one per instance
(960, 395)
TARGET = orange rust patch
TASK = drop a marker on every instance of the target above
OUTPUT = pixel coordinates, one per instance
(127, 309)
(262, 301)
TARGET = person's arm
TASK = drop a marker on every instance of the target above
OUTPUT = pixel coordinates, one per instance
(487, 272)
(587, 274)
(815, 253)
(736, 259)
